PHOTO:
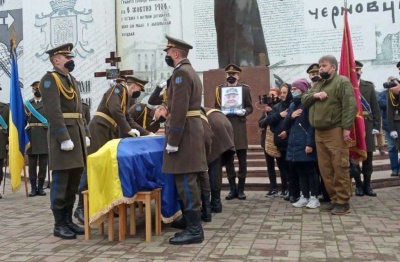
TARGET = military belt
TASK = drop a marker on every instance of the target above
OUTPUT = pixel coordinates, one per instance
(106, 117)
(36, 124)
(72, 115)
(193, 113)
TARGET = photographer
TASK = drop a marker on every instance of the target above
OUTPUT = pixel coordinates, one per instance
(267, 139)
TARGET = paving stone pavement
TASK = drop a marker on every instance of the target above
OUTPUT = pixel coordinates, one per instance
(257, 229)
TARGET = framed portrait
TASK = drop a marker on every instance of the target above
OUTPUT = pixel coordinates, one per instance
(231, 99)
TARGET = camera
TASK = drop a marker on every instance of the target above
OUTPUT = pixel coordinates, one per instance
(391, 83)
(268, 100)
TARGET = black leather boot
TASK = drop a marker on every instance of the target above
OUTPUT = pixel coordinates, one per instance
(205, 208)
(71, 225)
(216, 205)
(40, 191)
(33, 188)
(179, 224)
(241, 194)
(193, 232)
(61, 229)
(79, 213)
(359, 191)
(367, 186)
(233, 192)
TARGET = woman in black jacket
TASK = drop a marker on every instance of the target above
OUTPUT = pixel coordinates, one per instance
(275, 121)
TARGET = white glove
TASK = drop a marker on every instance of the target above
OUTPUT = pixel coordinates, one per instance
(375, 132)
(87, 141)
(163, 85)
(394, 134)
(151, 134)
(171, 149)
(240, 112)
(67, 145)
(134, 133)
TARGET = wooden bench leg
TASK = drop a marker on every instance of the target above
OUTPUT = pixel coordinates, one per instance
(148, 217)
(158, 213)
(86, 215)
(132, 220)
(122, 222)
(111, 225)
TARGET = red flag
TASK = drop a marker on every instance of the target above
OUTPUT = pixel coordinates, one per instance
(358, 149)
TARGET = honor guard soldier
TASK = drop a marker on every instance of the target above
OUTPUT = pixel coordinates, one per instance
(137, 87)
(148, 118)
(78, 214)
(184, 154)
(36, 128)
(237, 118)
(372, 121)
(4, 114)
(313, 73)
(66, 137)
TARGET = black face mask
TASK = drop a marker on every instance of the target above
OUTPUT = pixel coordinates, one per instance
(231, 79)
(135, 94)
(37, 94)
(70, 65)
(162, 119)
(325, 75)
(315, 79)
(169, 61)
(358, 76)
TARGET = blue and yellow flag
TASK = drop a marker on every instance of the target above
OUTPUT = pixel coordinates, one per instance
(18, 138)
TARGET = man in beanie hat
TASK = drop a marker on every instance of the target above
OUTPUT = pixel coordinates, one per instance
(37, 133)
(4, 114)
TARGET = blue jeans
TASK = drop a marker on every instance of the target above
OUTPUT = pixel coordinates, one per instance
(393, 152)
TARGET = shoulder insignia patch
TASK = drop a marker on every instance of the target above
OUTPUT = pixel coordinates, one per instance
(138, 108)
(117, 91)
(178, 80)
(47, 84)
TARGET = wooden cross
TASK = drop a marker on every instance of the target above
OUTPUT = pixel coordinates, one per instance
(113, 73)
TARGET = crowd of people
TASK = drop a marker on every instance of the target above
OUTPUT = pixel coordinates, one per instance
(305, 131)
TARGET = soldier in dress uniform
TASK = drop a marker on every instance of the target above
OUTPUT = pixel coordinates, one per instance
(66, 137)
(79, 214)
(238, 121)
(149, 118)
(37, 126)
(313, 73)
(372, 120)
(137, 86)
(184, 154)
(4, 115)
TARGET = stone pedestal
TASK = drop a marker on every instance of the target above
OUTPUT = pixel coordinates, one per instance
(256, 77)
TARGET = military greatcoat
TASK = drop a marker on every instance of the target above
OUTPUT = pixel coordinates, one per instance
(37, 131)
(238, 122)
(57, 104)
(372, 117)
(186, 132)
(4, 112)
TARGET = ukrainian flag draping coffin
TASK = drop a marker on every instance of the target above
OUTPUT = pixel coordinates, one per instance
(123, 167)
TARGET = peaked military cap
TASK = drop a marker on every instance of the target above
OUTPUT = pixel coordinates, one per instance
(35, 85)
(140, 82)
(359, 64)
(398, 65)
(232, 91)
(65, 49)
(232, 68)
(177, 43)
(313, 68)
